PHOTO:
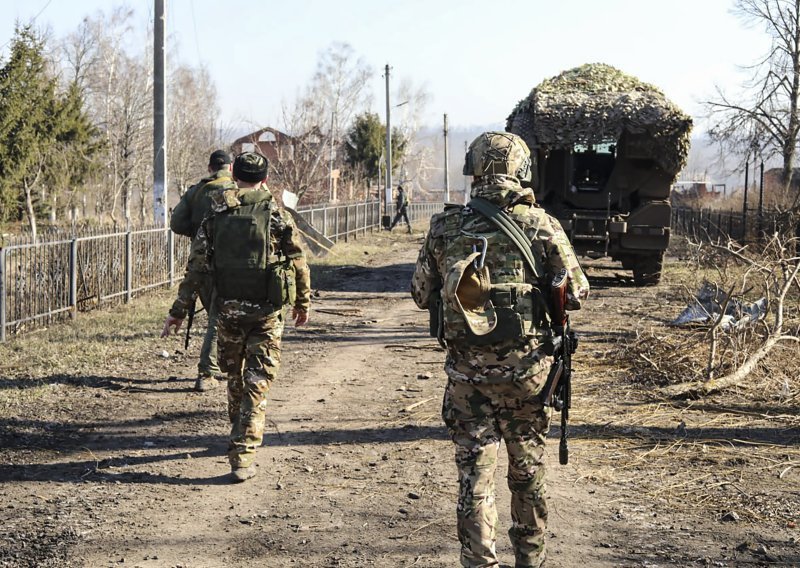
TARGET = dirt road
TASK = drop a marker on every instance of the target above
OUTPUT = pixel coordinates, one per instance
(120, 463)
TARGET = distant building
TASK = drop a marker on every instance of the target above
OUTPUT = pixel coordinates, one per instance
(693, 190)
(300, 164)
(270, 142)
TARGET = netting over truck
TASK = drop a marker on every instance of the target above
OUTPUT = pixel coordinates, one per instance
(596, 103)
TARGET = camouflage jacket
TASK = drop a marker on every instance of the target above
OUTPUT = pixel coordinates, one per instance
(195, 205)
(283, 236)
(511, 359)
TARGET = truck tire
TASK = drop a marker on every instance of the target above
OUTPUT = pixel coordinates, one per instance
(628, 262)
(647, 270)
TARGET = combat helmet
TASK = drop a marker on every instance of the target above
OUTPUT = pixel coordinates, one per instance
(494, 153)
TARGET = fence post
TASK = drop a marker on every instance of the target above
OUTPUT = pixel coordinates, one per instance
(336, 224)
(325, 221)
(128, 266)
(73, 276)
(366, 221)
(2, 295)
(730, 224)
(171, 257)
(346, 222)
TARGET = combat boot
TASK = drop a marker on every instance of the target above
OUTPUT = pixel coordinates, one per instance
(240, 474)
(205, 383)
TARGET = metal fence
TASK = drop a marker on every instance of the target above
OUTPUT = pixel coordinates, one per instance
(350, 220)
(716, 224)
(64, 273)
(60, 275)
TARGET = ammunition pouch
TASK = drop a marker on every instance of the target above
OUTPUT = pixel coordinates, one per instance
(510, 325)
(520, 313)
(281, 287)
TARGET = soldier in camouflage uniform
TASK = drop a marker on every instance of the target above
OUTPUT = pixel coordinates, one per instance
(194, 206)
(495, 324)
(258, 268)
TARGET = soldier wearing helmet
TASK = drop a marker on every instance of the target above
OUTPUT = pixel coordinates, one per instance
(489, 310)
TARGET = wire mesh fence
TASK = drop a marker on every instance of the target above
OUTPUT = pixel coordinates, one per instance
(67, 272)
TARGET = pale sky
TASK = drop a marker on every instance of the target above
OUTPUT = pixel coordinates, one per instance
(476, 58)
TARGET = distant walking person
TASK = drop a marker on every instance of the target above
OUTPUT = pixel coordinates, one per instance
(258, 270)
(401, 203)
(194, 206)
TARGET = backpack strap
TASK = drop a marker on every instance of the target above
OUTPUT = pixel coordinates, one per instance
(506, 224)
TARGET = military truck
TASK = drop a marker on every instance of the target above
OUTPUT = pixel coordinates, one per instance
(606, 149)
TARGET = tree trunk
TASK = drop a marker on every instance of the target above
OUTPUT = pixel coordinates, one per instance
(29, 209)
(790, 144)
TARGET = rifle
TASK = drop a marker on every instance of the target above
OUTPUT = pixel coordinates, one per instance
(189, 321)
(557, 391)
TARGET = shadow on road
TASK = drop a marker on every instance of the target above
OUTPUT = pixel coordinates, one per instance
(744, 437)
(353, 278)
(130, 384)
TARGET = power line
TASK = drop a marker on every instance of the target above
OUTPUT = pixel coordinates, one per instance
(196, 40)
(32, 20)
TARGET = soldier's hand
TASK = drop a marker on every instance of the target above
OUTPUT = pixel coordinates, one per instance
(300, 316)
(169, 323)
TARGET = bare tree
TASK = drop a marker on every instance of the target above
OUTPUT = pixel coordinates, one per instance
(192, 125)
(764, 119)
(317, 119)
(117, 87)
(411, 106)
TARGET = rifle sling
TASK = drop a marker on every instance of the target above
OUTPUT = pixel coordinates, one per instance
(506, 224)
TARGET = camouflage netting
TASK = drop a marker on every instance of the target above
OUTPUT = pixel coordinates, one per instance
(595, 103)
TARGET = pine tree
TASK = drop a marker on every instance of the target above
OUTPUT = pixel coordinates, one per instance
(46, 140)
(366, 142)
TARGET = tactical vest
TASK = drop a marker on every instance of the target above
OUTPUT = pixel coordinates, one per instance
(247, 261)
(519, 304)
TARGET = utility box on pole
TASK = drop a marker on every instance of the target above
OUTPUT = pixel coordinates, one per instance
(159, 116)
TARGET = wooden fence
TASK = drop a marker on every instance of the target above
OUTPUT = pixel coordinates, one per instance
(67, 272)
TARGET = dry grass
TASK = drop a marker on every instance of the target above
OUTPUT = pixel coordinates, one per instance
(96, 343)
(733, 454)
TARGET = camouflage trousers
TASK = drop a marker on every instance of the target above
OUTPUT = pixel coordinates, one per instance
(250, 354)
(207, 366)
(478, 416)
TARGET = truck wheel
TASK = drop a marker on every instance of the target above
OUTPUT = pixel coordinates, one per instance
(647, 270)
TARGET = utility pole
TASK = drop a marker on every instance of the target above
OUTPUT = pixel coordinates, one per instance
(388, 193)
(331, 197)
(159, 117)
(446, 165)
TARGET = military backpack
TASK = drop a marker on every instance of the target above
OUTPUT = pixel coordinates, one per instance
(247, 261)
